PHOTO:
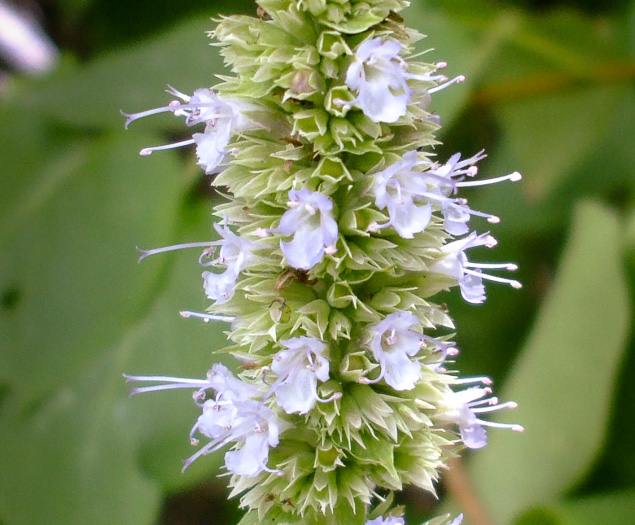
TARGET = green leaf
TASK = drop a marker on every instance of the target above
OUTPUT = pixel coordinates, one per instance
(71, 461)
(77, 311)
(106, 455)
(540, 123)
(68, 229)
(615, 508)
(564, 378)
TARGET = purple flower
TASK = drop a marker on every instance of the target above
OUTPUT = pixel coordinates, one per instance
(463, 408)
(231, 416)
(400, 189)
(235, 254)
(469, 276)
(390, 520)
(393, 343)
(221, 116)
(314, 230)
(298, 369)
(410, 196)
(379, 75)
(446, 179)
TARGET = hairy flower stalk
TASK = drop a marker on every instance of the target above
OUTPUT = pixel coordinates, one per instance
(339, 228)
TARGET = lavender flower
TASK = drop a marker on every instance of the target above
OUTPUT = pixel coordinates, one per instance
(410, 195)
(232, 416)
(398, 188)
(379, 75)
(393, 343)
(298, 369)
(447, 178)
(221, 116)
(454, 264)
(464, 406)
(311, 223)
(393, 520)
(390, 520)
(235, 254)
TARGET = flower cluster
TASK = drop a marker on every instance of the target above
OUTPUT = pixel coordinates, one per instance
(338, 230)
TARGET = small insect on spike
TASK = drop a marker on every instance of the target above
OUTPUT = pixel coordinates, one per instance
(455, 80)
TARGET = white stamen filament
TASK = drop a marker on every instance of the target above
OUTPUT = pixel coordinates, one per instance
(514, 427)
(207, 317)
(511, 282)
(149, 151)
(335, 396)
(131, 117)
(514, 177)
(493, 408)
(174, 247)
(455, 80)
(468, 380)
(493, 266)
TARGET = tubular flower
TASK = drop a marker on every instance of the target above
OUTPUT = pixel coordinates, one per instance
(463, 408)
(313, 228)
(390, 520)
(379, 75)
(230, 416)
(298, 369)
(400, 189)
(469, 276)
(221, 117)
(393, 343)
(235, 254)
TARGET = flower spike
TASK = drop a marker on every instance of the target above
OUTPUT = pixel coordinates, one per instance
(339, 227)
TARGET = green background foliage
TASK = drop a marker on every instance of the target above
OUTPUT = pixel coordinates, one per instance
(549, 93)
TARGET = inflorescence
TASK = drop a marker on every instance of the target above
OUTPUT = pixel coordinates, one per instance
(339, 228)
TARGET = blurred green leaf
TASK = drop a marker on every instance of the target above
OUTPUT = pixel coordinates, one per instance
(557, 125)
(465, 48)
(87, 452)
(71, 460)
(68, 230)
(542, 516)
(131, 79)
(552, 90)
(630, 240)
(565, 376)
(616, 509)
(77, 311)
